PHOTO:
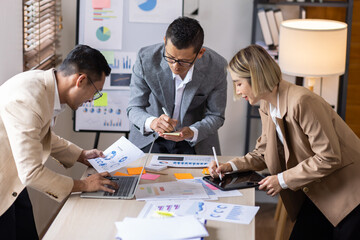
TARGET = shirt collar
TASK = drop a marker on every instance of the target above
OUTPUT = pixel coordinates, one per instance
(275, 111)
(58, 107)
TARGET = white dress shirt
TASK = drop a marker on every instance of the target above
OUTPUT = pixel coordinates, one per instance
(180, 85)
(58, 108)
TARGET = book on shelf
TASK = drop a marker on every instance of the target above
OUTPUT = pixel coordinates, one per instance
(264, 25)
(272, 25)
(273, 52)
(278, 18)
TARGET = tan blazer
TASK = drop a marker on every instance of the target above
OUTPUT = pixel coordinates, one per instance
(26, 110)
(322, 154)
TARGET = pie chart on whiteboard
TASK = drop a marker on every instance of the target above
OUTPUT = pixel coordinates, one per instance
(103, 33)
(146, 5)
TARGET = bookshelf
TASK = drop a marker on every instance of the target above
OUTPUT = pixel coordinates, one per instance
(252, 111)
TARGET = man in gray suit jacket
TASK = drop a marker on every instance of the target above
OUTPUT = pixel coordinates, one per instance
(29, 103)
(178, 86)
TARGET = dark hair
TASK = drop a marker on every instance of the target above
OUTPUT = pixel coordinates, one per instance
(185, 32)
(84, 59)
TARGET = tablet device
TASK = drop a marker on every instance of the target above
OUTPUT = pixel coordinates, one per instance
(235, 180)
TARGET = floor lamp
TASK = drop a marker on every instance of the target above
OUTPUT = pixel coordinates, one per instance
(312, 48)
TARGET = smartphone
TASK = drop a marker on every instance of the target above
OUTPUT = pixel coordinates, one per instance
(235, 180)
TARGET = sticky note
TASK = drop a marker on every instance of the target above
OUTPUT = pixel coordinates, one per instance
(103, 101)
(205, 171)
(121, 174)
(183, 176)
(101, 3)
(211, 187)
(148, 176)
(109, 56)
(135, 171)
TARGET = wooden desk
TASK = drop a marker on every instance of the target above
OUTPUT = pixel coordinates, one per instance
(94, 218)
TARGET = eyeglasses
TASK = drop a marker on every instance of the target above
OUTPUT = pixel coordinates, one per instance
(97, 94)
(180, 62)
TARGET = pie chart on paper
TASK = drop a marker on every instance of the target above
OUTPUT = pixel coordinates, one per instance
(146, 5)
(103, 33)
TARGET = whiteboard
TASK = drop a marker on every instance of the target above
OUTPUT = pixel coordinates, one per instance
(119, 28)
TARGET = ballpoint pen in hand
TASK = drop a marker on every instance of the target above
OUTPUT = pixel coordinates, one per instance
(167, 114)
(217, 162)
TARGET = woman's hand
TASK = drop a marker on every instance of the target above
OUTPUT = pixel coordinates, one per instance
(271, 185)
(222, 169)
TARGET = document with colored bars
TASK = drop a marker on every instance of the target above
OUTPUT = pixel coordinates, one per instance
(181, 161)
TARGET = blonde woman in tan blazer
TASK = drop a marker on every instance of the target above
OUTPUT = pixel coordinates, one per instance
(312, 155)
(28, 104)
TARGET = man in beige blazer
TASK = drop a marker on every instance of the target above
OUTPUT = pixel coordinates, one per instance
(29, 102)
(312, 155)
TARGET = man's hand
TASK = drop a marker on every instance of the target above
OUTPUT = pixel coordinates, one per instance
(163, 124)
(89, 154)
(222, 169)
(184, 133)
(94, 183)
(271, 185)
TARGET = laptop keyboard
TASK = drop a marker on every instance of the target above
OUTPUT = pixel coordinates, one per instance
(125, 186)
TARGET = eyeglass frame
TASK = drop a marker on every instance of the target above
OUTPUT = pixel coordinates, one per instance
(97, 94)
(180, 62)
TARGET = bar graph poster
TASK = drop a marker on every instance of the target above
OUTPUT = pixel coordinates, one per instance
(121, 68)
(154, 11)
(108, 115)
(103, 24)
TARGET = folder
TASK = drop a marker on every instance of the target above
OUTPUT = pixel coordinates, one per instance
(278, 18)
(265, 27)
(272, 25)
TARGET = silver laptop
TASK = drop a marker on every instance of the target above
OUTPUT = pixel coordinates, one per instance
(127, 185)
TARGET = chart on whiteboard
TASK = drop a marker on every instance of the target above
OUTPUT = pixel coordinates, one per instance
(104, 22)
(108, 113)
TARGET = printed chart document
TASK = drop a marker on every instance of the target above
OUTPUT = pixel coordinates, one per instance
(213, 192)
(216, 211)
(187, 227)
(181, 161)
(118, 155)
(170, 190)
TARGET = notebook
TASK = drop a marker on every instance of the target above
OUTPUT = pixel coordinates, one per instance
(127, 185)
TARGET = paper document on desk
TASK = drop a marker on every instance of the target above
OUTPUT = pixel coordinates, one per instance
(181, 161)
(187, 227)
(213, 192)
(170, 190)
(118, 155)
(216, 211)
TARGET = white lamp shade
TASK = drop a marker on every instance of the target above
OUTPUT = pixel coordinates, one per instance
(312, 47)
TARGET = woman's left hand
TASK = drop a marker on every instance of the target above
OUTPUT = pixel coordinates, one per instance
(271, 185)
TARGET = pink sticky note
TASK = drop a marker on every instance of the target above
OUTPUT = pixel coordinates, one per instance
(101, 3)
(211, 187)
(148, 176)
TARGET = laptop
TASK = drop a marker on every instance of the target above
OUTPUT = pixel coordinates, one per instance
(127, 185)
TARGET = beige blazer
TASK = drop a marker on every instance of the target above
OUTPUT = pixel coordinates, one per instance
(26, 110)
(322, 154)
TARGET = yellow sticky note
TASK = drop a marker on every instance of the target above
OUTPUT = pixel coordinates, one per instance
(135, 171)
(103, 101)
(121, 174)
(205, 171)
(183, 176)
(109, 56)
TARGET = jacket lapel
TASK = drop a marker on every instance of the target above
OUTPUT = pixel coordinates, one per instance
(190, 90)
(283, 96)
(166, 87)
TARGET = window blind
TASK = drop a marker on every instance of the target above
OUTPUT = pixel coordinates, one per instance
(42, 25)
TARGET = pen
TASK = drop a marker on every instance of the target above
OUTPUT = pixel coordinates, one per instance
(165, 214)
(167, 114)
(217, 163)
(160, 173)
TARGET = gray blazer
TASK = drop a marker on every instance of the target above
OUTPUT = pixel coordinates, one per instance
(204, 98)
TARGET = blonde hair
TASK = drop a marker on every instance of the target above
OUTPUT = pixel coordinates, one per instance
(255, 64)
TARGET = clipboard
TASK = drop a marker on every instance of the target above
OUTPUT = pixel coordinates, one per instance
(235, 180)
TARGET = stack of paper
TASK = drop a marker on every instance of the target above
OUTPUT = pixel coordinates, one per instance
(187, 227)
